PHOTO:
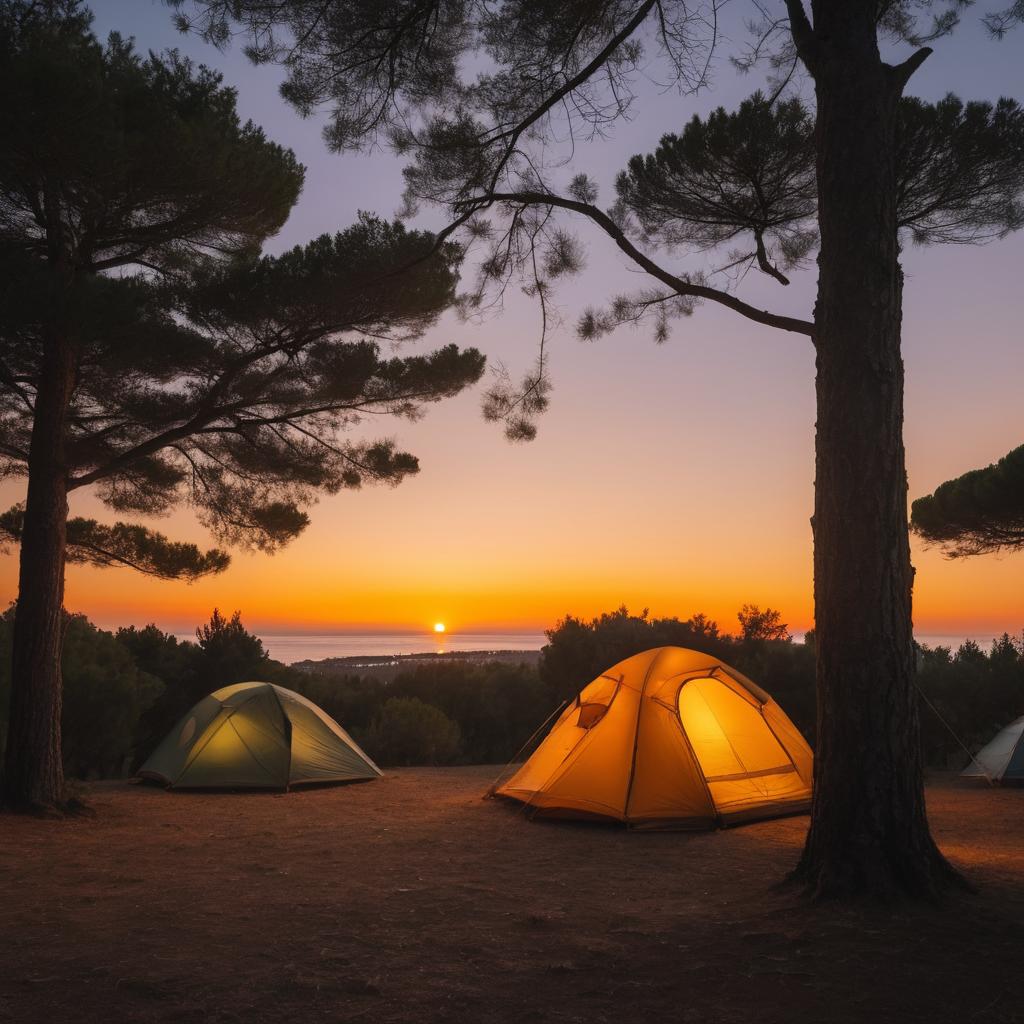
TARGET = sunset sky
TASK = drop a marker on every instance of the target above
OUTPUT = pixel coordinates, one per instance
(677, 476)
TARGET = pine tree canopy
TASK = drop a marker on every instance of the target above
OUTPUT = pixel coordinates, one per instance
(960, 178)
(747, 179)
(508, 71)
(112, 160)
(479, 97)
(960, 169)
(978, 513)
(133, 205)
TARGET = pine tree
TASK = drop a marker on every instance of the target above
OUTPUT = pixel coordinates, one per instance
(147, 350)
(979, 513)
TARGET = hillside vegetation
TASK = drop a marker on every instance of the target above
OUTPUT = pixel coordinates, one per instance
(124, 691)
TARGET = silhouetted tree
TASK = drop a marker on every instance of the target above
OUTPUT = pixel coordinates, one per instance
(148, 353)
(978, 513)
(229, 652)
(475, 130)
(757, 626)
(156, 652)
(225, 652)
(350, 699)
(578, 651)
(174, 663)
(123, 693)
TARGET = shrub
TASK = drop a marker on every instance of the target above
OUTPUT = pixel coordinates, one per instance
(406, 731)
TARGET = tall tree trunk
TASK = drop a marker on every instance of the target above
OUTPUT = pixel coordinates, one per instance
(869, 832)
(33, 769)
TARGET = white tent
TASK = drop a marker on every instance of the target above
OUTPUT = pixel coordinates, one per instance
(1002, 758)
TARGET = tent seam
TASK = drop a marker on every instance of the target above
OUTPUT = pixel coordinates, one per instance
(211, 732)
(252, 753)
(636, 733)
(288, 736)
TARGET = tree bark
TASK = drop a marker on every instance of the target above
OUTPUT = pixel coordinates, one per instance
(33, 767)
(869, 833)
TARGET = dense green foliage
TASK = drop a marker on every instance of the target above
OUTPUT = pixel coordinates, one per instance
(977, 513)
(105, 692)
(123, 692)
(975, 694)
(407, 731)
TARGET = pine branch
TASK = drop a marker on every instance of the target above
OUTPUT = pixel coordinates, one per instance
(511, 136)
(901, 73)
(678, 284)
(92, 543)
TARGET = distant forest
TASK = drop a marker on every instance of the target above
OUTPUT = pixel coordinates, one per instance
(124, 691)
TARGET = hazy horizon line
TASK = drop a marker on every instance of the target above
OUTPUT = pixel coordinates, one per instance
(931, 631)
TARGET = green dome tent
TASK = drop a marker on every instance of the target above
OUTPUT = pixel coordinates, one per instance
(256, 736)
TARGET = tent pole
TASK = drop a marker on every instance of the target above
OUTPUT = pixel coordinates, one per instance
(515, 756)
(984, 770)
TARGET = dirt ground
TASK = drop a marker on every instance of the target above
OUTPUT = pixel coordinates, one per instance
(410, 899)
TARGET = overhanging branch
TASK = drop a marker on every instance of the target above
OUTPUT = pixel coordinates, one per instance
(678, 284)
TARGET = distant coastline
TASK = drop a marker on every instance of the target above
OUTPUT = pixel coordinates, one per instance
(384, 667)
(349, 648)
(348, 651)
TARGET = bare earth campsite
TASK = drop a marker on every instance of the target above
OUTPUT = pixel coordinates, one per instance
(410, 899)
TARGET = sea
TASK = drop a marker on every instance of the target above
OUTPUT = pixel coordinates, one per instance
(292, 647)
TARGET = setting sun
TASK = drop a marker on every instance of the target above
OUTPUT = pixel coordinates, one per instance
(438, 627)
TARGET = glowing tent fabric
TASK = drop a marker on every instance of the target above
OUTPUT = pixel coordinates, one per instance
(1002, 758)
(257, 736)
(670, 738)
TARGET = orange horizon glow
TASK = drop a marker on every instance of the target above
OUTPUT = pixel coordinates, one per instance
(182, 615)
(272, 598)
(385, 579)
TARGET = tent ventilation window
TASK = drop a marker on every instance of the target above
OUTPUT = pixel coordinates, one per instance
(591, 714)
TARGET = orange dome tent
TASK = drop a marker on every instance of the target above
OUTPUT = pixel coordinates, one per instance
(670, 738)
